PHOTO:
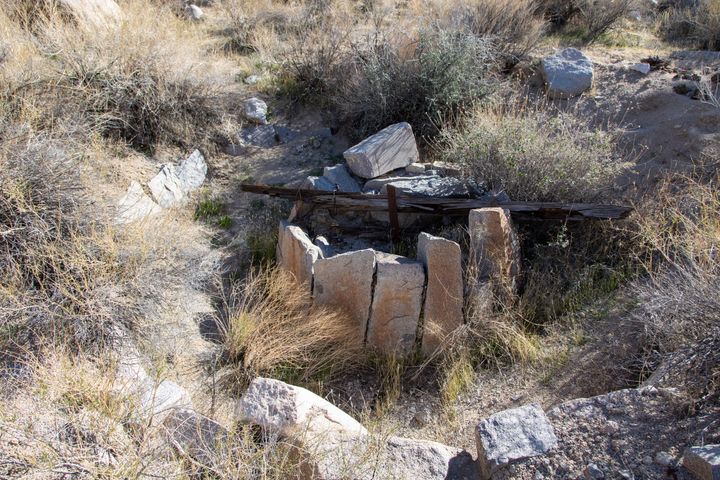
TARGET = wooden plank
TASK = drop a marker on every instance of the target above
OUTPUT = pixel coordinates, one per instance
(443, 206)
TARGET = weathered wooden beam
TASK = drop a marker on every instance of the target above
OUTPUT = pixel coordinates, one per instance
(443, 206)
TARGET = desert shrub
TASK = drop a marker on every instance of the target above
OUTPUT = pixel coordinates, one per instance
(696, 27)
(424, 82)
(61, 275)
(534, 155)
(273, 328)
(514, 28)
(140, 84)
(586, 20)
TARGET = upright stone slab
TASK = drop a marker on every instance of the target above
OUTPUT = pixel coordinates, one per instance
(345, 281)
(396, 304)
(443, 309)
(495, 246)
(512, 435)
(703, 462)
(391, 148)
(296, 253)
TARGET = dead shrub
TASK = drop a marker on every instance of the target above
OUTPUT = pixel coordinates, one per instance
(533, 154)
(697, 27)
(585, 19)
(514, 28)
(273, 328)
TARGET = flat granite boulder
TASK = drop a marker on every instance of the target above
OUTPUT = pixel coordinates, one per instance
(287, 411)
(345, 282)
(703, 462)
(172, 184)
(443, 308)
(296, 253)
(512, 435)
(567, 74)
(396, 304)
(135, 205)
(391, 148)
(197, 437)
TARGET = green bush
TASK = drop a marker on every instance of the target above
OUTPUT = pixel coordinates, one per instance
(534, 155)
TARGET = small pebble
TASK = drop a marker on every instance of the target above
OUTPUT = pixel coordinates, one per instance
(664, 459)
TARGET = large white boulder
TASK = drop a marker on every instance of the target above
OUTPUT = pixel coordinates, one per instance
(172, 184)
(568, 73)
(135, 205)
(391, 148)
(287, 411)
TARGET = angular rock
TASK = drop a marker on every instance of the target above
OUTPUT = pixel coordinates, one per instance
(324, 246)
(396, 305)
(286, 411)
(296, 253)
(377, 184)
(255, 110)
(135, 205)
(567, 74)
(443, 308)
(447, 169)
(339, 175)
(703, 462)
(94, 13)
(194, 13)
(345, 281)
(391, 148)
(416, 168)
(432, 187)
(261, 136)
(172, 184)
(197, 437)
(643, 68)
(318, 183)
(512, 435)
(495, 246)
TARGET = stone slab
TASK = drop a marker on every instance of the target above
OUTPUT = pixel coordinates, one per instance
(396, 305)
(391, 148)
(443, 307)
(345, 281)
(377, 184)
(432, 187)
(512, 435)
(703, 462)
(296, 253)
(495, 246)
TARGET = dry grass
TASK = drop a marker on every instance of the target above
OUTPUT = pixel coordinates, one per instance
(273, 329)
(534, 154)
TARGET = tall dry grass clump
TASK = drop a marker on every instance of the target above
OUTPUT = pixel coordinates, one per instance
(274, 329)
(534, 154)
(144, 82)
(697, 27)
(586, 20)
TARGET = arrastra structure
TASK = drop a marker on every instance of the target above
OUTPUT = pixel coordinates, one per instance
(397, 302)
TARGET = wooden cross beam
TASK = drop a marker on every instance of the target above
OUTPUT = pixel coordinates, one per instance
(442, 206)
